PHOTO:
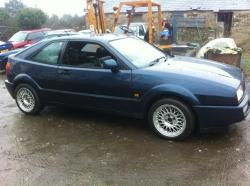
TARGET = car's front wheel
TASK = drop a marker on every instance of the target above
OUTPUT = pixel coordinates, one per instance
(27, 99)
(171, 119)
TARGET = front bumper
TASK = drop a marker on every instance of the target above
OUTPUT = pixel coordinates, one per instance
(220, 117)
(10, 87)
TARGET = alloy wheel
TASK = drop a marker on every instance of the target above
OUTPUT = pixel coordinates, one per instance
(25, 100)
(169, 120)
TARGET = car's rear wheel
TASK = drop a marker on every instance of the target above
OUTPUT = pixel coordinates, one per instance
(171, 119)
(27, 99)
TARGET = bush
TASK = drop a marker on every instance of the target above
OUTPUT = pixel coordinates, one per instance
(31, 18)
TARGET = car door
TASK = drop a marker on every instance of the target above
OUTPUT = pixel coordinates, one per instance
(84, 82)
(42, 67)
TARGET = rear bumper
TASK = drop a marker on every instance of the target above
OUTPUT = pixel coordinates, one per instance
(10, 87)
(220, 117)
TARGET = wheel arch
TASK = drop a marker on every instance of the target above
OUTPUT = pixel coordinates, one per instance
(170, 91)
(25, 79)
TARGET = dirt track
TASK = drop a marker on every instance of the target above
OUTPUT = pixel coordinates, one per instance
(74, 147)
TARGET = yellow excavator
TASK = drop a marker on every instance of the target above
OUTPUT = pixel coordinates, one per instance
(137, 4)
(96, 15)
(97, 19)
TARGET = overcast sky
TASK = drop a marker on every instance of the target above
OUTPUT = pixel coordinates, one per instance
(58, 7)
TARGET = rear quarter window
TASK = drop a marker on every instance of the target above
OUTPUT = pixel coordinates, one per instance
(49, 54)
(25, 53)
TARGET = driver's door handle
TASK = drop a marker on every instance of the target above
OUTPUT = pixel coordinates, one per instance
(64, 72)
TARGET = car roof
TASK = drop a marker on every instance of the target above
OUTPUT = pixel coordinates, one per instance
(138, 23)
(60, 33)
(36, 30)
(94, 37)
(85, 32)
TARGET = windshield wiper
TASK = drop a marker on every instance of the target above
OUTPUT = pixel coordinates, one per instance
(157, 60)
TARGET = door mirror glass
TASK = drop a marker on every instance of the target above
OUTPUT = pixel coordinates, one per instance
(110, 64)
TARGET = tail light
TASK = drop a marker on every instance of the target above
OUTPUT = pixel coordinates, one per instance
(8, 67)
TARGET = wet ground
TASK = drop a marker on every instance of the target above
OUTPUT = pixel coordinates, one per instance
(74, 147)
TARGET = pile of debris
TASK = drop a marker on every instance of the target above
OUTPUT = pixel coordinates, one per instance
(222, 50)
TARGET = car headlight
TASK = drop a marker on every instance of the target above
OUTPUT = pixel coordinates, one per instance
(240, 93)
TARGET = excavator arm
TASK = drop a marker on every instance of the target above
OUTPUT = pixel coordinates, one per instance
(136, 4)
(96, 15)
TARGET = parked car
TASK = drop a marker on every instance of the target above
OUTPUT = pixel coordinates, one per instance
(49, 35)
(22, 38)
(110, 73)
(4, 57)
(5, 47)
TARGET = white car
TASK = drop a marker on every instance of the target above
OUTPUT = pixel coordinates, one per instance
(139, 29)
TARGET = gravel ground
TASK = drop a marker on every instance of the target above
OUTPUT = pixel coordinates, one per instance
(73, 147)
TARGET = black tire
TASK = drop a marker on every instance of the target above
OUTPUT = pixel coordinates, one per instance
(182, 108)
(37, 103)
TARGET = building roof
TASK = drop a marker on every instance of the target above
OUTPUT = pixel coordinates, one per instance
(185, 5)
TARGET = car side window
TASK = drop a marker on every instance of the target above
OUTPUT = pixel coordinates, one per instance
(50, 54)
(35, 36)
(85, 55)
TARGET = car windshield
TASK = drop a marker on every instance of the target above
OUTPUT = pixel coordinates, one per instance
(19, 37)
(138, 52)
(118, 30)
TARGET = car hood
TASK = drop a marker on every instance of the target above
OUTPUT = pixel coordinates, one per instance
(6, 54)
(5, 45)
(200, 68)
(208, 66)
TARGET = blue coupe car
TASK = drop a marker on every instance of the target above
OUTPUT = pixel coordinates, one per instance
(125, 75)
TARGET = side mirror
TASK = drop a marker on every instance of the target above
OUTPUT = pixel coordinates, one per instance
(111, 64)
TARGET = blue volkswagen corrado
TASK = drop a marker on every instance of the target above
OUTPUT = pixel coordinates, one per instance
(125, 75)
